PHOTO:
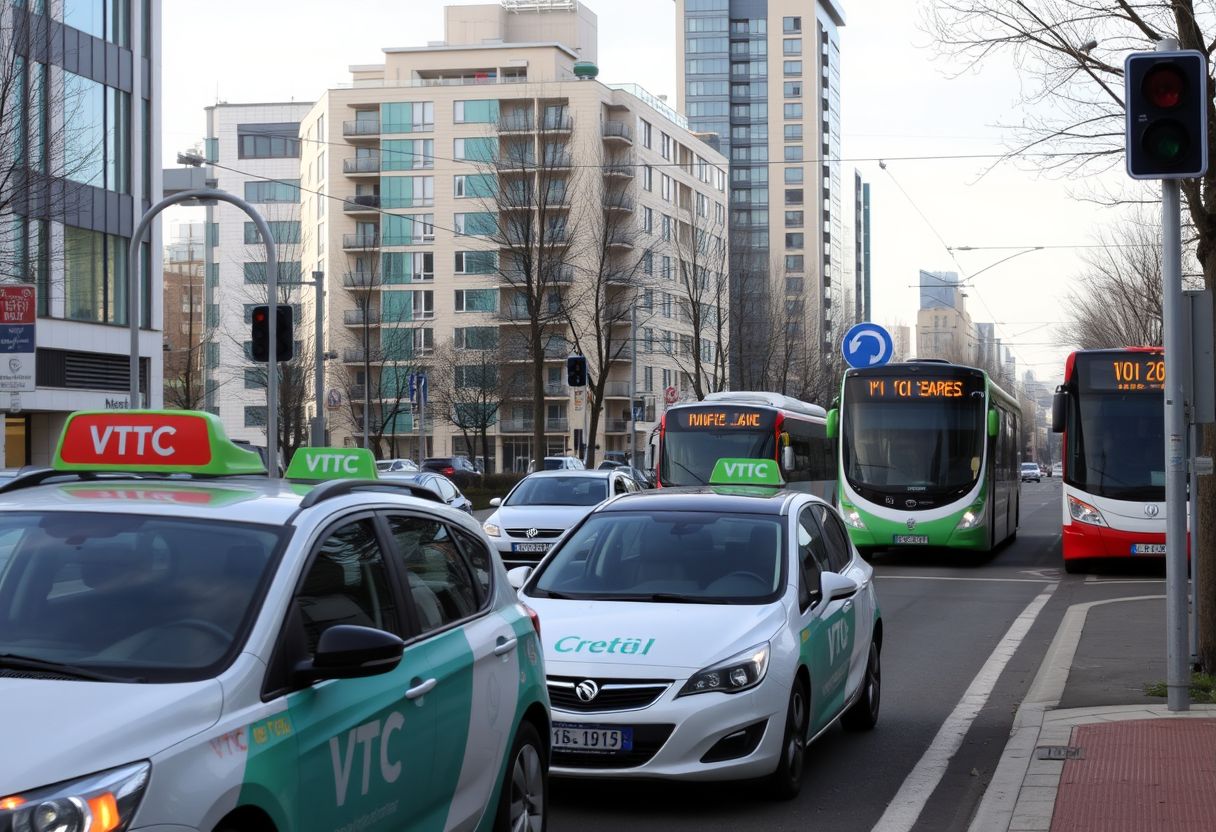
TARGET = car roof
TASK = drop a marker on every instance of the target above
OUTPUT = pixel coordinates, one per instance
(240, 499)
(736, 499)
(594, 473)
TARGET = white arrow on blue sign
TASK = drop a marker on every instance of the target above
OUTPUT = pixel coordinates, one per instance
(867, 345)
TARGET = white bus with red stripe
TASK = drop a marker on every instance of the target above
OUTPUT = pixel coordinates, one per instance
(1111, 413)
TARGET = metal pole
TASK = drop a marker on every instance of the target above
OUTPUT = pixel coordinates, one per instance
(1194, 433)
(633, 383)
(421, 418)
(133, 316)
(318, 373)
(1177, 650)
(367, 368)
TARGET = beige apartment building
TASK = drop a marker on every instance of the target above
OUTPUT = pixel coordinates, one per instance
(437, 185)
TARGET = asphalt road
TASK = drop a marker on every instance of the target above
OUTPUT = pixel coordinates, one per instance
(944, 615)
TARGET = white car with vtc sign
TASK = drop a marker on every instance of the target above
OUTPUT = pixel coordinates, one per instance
(706, 633)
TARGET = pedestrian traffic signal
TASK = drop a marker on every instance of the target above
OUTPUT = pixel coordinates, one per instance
(576, 371)
(260, 333)
(1166, 99)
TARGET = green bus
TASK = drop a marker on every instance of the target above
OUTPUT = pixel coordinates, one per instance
(928, 457)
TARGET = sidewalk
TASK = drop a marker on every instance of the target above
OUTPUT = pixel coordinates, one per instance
(1133, 766)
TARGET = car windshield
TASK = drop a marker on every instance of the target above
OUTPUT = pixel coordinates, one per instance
(669, 557)
(559, 491)
(1031, 467)
(157, 599)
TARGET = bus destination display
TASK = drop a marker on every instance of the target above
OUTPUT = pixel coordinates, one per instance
(720, 418)
(912, 388)
(1126, 372)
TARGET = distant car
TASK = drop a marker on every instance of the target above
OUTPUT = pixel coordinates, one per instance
(542, 506)
(1057, 469)
(1030, 471)
(1045, 470)
(560, 463)
(438, 483)
(393, 466)
(459, 469)
(639, 476)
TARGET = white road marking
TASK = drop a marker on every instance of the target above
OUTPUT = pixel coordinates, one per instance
(1091, 579)
(904, 809)
(953, 578)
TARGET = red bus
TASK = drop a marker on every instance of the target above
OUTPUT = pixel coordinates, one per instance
(1111, 412)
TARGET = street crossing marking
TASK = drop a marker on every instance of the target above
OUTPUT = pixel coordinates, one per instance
(904, 809)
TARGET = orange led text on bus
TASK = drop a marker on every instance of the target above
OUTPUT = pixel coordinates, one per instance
(906, 388)
(723, 420)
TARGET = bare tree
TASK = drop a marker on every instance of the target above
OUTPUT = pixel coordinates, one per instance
(184, 375)
(470, 386)
(699, 246)
(754, 318)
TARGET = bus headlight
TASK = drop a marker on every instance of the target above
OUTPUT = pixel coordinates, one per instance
(1083, 512)
(971, 518)
(852, 517)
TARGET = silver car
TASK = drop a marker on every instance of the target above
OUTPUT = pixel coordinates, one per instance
(542, 506)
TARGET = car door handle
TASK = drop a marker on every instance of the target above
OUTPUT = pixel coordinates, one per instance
(421, 689)
(847, 605)
(505, 646)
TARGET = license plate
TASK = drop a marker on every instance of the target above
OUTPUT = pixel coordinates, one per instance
(917, 539)
(573, 736)
(530, 547)
(1148, 548)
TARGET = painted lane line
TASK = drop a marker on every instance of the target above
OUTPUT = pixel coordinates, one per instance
(996, 808)
(905, 808)
(982, 580)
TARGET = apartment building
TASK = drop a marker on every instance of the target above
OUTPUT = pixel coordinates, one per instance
(85, 80)
(184, 331)
(254, 151)
(423, 180)
(765, 76)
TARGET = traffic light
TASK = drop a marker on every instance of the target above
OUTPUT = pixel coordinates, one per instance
(1166, 96)
(260, 333)
(576, 371)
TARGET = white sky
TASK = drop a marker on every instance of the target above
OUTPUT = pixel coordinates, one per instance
(896, 100)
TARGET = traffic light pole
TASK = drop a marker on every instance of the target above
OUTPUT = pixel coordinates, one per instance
(1178, 676)
(272, 274)
(318, 372)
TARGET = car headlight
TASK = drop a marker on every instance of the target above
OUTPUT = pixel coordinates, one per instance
(1083, 512)
(852, 517)
(102, 802)
(492, 530)
(739, 672)
(971, 517)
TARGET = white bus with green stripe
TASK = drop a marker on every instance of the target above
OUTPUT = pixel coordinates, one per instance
(191, 645)
(928, 457)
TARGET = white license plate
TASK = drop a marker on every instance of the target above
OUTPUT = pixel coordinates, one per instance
(917, 539)
(1148, 548)
(530, 547)
(573, 736)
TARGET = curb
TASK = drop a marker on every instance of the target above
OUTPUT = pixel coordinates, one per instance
(1001, 802)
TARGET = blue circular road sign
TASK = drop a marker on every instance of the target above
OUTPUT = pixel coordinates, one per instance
(867, 345)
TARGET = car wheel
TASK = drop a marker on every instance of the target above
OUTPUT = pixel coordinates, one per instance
(863, 715)
(523, 805)
(1076, 566)
(786, 781)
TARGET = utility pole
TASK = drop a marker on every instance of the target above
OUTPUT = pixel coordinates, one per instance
(633, 383)
(318, 422)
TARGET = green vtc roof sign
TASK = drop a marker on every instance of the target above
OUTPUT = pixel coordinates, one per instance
(746, 472)
(320, 464)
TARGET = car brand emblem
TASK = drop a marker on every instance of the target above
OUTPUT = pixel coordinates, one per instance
(586, 690)
(910, 503)
(1151, 510)
(531, 532)
(911, 524)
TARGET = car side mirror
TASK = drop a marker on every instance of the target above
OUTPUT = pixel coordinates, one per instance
(833, 585)
(495, 502)
(518, 576)
(994, 423)
(348, 651)
(1059, 407)
(832, 428)
(787, 458)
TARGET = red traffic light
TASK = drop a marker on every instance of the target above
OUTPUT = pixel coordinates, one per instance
(1164, 86)
(260, 315)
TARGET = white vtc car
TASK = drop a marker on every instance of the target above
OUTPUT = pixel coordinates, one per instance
(706, 633)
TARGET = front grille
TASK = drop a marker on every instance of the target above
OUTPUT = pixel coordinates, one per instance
(647, 740)
(614, 694)
(540, 533)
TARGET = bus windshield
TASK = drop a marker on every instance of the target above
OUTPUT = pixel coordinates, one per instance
(924, 446)
(1115, 446)
(695, 438)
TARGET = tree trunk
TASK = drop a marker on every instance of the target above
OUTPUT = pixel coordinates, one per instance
(593, 426)
(538, 399)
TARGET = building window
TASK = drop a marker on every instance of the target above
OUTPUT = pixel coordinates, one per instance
(480, 149)
(399, 267)
(284, 190)
(648, 262)
(407, 117)
(665, 185)
(793, 285)
(407, 154)
(666, 226)
(95, 276)
(476, 185)
(286, 231)
(647, 177)
(793, 132)
(476, 112)
(794, 240)
(793, 89)
(793, 176)
(793, 196)
(791, 46)
(407, 191)
(793, 153)
(665, 146)
(475, 224)
(648, 220)
(793, 111)
(666, 272)
(476, 300)
(793, 219)
(109, 20)
(476, 262)
(793, 262)
(289, 272)
(407, 229)
(268, 141)
(792, 68)
(97, 145)
(475, 338)
(646, 131)
(791, 25)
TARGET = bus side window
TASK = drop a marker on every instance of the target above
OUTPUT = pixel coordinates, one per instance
(800, 441)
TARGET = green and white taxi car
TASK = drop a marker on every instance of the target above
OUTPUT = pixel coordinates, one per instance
(706, 633)
(187, 645)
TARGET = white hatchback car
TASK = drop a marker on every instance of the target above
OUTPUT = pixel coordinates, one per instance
(706, 634)
(237, 653)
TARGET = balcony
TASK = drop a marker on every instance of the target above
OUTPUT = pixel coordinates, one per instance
(356, 356)
(518, 351)
(516, 124)
(560, 275)
(619, 170)
(557, 389)
(360, 242)
(361, 280)
(362, 166)
(356, 317)
(558, 161)
(559, 424)
(515, 426)
(361, 129)
(619, 239)
(557, 124)
(362, 204)
(618, 203)
(616, 426)
(616, 389)
(616, 131)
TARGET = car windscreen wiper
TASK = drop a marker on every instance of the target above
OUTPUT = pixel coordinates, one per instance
(700, 480)
(664, 597)
(12, 661)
